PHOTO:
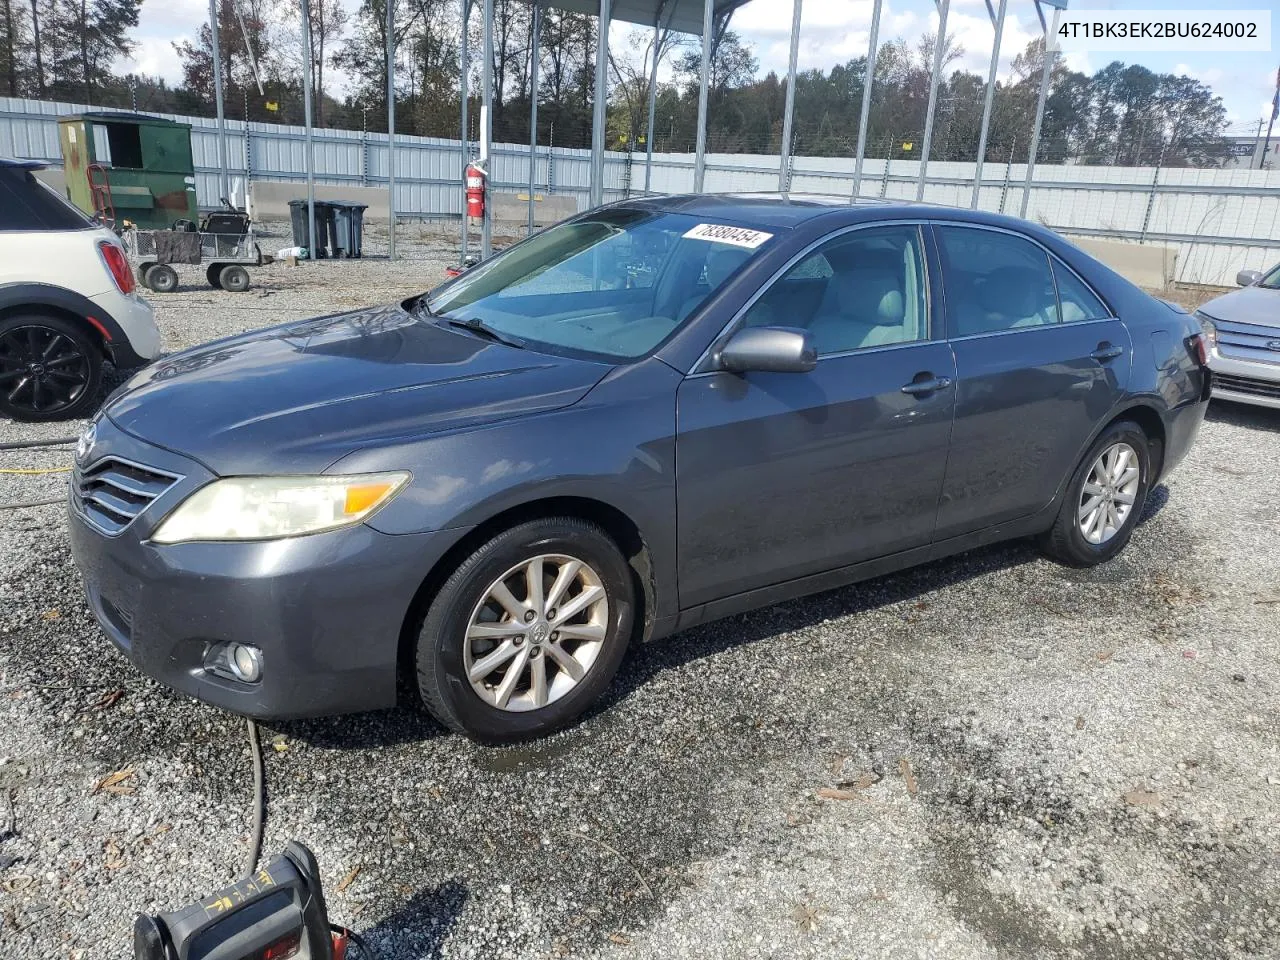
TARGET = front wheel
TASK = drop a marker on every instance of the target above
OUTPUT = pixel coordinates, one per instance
(1104, 498)
(527, 632)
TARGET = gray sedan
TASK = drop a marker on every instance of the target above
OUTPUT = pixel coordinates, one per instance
(653, 415)
(1242, 329)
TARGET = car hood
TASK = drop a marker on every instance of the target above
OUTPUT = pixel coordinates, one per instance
(295, 398)
(1256, 305)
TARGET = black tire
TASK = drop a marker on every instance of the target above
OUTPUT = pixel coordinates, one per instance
(142, 271)
(212, 274)
(442, 675)
(50, 368)
(1065, 541)
(234, 278)
(162, 278)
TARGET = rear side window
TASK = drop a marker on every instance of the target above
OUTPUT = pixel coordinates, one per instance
(1077, 301)
(995, 281)
(27, 204)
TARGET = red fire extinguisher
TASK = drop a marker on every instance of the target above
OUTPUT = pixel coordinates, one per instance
(475, 191)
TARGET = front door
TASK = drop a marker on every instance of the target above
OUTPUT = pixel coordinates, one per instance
(1040, 364)
(781, 475)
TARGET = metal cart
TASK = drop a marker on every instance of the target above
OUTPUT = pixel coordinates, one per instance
(224, 255)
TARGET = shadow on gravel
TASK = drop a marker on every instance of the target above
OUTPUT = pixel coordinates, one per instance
(422, 926)
(1244, 415)
(362, 731)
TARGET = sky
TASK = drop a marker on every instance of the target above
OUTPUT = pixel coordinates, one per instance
(834, 31)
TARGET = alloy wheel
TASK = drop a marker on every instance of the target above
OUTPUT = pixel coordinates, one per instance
(536, 632)
(42, 370)
(1109, 493)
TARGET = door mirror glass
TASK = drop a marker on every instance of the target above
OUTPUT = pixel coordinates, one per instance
(1247, 278)
(773, 349)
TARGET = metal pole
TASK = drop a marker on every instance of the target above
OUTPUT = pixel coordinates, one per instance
(391, 128)
(934, 76)
(486, 131)
(997, 18)
(223, 189)
(1050, 54)
(534, 55)
(598, 116)
(464, 94)
(659, 38)
(867, 80)
(311, 147)
(788, 112)
(700, 150)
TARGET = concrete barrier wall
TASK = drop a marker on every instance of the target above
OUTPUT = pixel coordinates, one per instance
(270, 200)
(547, 208)
(1148, 265)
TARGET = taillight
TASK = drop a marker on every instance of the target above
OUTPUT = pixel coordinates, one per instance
(117, 265)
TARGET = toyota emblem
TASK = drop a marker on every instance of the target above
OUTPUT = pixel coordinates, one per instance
(84, 446)
(1273, 345)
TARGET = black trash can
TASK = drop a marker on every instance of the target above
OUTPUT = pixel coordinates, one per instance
(348, 238)
(324, 227)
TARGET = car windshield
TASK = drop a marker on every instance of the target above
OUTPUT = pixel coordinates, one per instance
(612, 285)
(1271, 280)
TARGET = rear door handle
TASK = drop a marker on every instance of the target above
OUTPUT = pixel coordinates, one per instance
(922, 388)
(1106, 352)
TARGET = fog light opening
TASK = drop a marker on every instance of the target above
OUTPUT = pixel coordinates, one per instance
(245, 662)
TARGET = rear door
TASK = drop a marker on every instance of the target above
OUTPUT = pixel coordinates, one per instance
(781, 475)
(1040, 364)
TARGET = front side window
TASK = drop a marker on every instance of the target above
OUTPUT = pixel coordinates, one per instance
(862, 289)
(1271, 280)
(614, 285)
(1077, 301)
(995, 281)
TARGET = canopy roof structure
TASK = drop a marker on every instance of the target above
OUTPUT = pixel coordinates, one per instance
(682, 16)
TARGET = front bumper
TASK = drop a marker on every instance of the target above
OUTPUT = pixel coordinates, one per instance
(1246, 381)
(326, 610)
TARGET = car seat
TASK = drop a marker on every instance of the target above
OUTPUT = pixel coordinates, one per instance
(864, 304)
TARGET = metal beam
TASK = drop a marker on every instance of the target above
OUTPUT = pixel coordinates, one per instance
(311, 146)
(1046, 71)
(788, 113)
(223, 187)
(867, 80)
(391, 127)
(486, 131)
(939, 48)
(997, 20)
(660, 33)
(464, 92)
(700, 151)
(599, 114)
(535, 55)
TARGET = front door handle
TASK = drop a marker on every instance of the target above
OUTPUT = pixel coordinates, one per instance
(1106, 352)
(922, 388)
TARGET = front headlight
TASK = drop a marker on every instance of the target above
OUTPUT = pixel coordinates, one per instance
(1209, 328)
(267, 508)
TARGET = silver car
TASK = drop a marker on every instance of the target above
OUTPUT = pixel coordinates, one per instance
(1242, 329)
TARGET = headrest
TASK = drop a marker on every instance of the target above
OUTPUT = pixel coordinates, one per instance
(869, 287)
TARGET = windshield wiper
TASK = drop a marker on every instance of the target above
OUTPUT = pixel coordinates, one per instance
(476, 325)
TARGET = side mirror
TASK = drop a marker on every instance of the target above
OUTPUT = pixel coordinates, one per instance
(1247, 278)
(772, 349)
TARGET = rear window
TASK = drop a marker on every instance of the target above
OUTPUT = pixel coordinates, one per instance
(27, 204)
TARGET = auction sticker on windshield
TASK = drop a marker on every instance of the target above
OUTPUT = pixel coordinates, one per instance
(723, 233)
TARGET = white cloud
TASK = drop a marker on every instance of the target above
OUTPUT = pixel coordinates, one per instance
(156, 57)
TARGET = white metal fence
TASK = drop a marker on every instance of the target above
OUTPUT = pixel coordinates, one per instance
(1220, 221)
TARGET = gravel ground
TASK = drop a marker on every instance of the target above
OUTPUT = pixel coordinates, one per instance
(991, 756)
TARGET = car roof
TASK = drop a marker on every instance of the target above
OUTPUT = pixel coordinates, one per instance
(784, 210)
(14, 163)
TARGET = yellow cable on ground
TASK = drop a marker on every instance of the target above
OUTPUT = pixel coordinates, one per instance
(33, 473)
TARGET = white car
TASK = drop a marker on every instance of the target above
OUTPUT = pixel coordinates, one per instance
(67, 302)
(1242, 329)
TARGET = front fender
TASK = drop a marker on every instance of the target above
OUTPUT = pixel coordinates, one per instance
(35, 295)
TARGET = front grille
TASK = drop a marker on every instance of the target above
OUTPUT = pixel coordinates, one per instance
(113, 492)
(1257, 388)
(1246, 341)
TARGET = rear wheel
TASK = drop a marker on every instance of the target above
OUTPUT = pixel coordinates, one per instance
(234, 278)
(527, 632)
(211, 273)
(50, 368)
(162, 278)
(1104, 498)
